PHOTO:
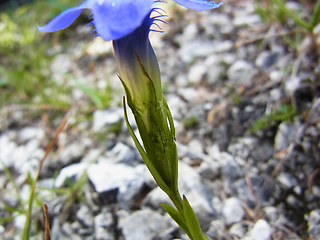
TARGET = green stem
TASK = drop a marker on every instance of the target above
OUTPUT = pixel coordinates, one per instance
(315, 16)
(282, 7)
(176, 200)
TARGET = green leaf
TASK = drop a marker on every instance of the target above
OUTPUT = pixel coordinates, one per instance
(157, 177)
(92, 94)
(315, 16)
(192, 221)
(177, 217)
(282, 7)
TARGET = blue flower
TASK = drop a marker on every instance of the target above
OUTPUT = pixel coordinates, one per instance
(114, 19)
(134, 52)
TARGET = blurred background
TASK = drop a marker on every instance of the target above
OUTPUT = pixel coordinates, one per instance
(243, 85)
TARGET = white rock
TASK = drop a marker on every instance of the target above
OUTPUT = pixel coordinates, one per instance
(314, 223)
(29, 133)
(144, 224)
(19, 221)
(285, 135)
(71, 171)
(266, 59)
(106, 176)
(27, 157)
(192, 50)
(237, 229)
(222, 46)
(196, 73)
(190, 32)
(260, 231)
(124, 153)
(102, 118)
(99, 47)
(241, 73)
(232, 210)
(102, 223)
(287, 180)
(7, 150)
(189, 94)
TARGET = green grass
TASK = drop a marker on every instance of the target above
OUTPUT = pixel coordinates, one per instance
(284, 113)
(25, 59)
(190, 122)
(276, 10)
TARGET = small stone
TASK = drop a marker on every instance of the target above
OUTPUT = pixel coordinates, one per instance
(210, 169)
(245, 19)
(191, 50)
(217, 230)
(144, 224)
(241, 73)
(98, 47)
(19, 221)
(287, 180)
(7, 151)
(232, 210)
(71, 172)
(214, 69)
(103, 118)
(230, 168)
(190, 32)
(124, 153)
(238, 229)
(129, 181)
(314, 224)
(72, 151)
(285, 136)
(29, 133)
(196, 147)
(272, 213)
(197, 73)
(222, 46)
(263, 188)
(266, 59)
(84, 216)
(189, 94)
(260, 231)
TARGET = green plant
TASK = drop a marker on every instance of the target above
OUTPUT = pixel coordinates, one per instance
(101, 98)
(277, 10)
(190, 122)
(25, 74)
(284, 113)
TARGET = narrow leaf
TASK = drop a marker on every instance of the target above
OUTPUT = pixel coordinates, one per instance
(26, 229)
(92, 94)
(192, 221)
(177, 217)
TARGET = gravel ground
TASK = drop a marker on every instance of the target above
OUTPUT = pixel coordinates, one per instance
(222, 71)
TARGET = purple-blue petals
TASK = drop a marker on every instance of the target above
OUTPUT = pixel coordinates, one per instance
(114, 19)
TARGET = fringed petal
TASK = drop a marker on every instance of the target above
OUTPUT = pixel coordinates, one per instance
(198, 5)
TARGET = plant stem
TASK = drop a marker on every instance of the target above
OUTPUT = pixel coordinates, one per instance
(315, 16)
(282, 7)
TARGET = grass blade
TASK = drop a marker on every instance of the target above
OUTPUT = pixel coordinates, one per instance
(26, 229)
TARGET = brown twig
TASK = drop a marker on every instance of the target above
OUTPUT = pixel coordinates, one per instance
(47, 224)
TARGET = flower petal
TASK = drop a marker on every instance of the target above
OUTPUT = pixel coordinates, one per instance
(115, 19)
(198, 5)
(65, 19)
